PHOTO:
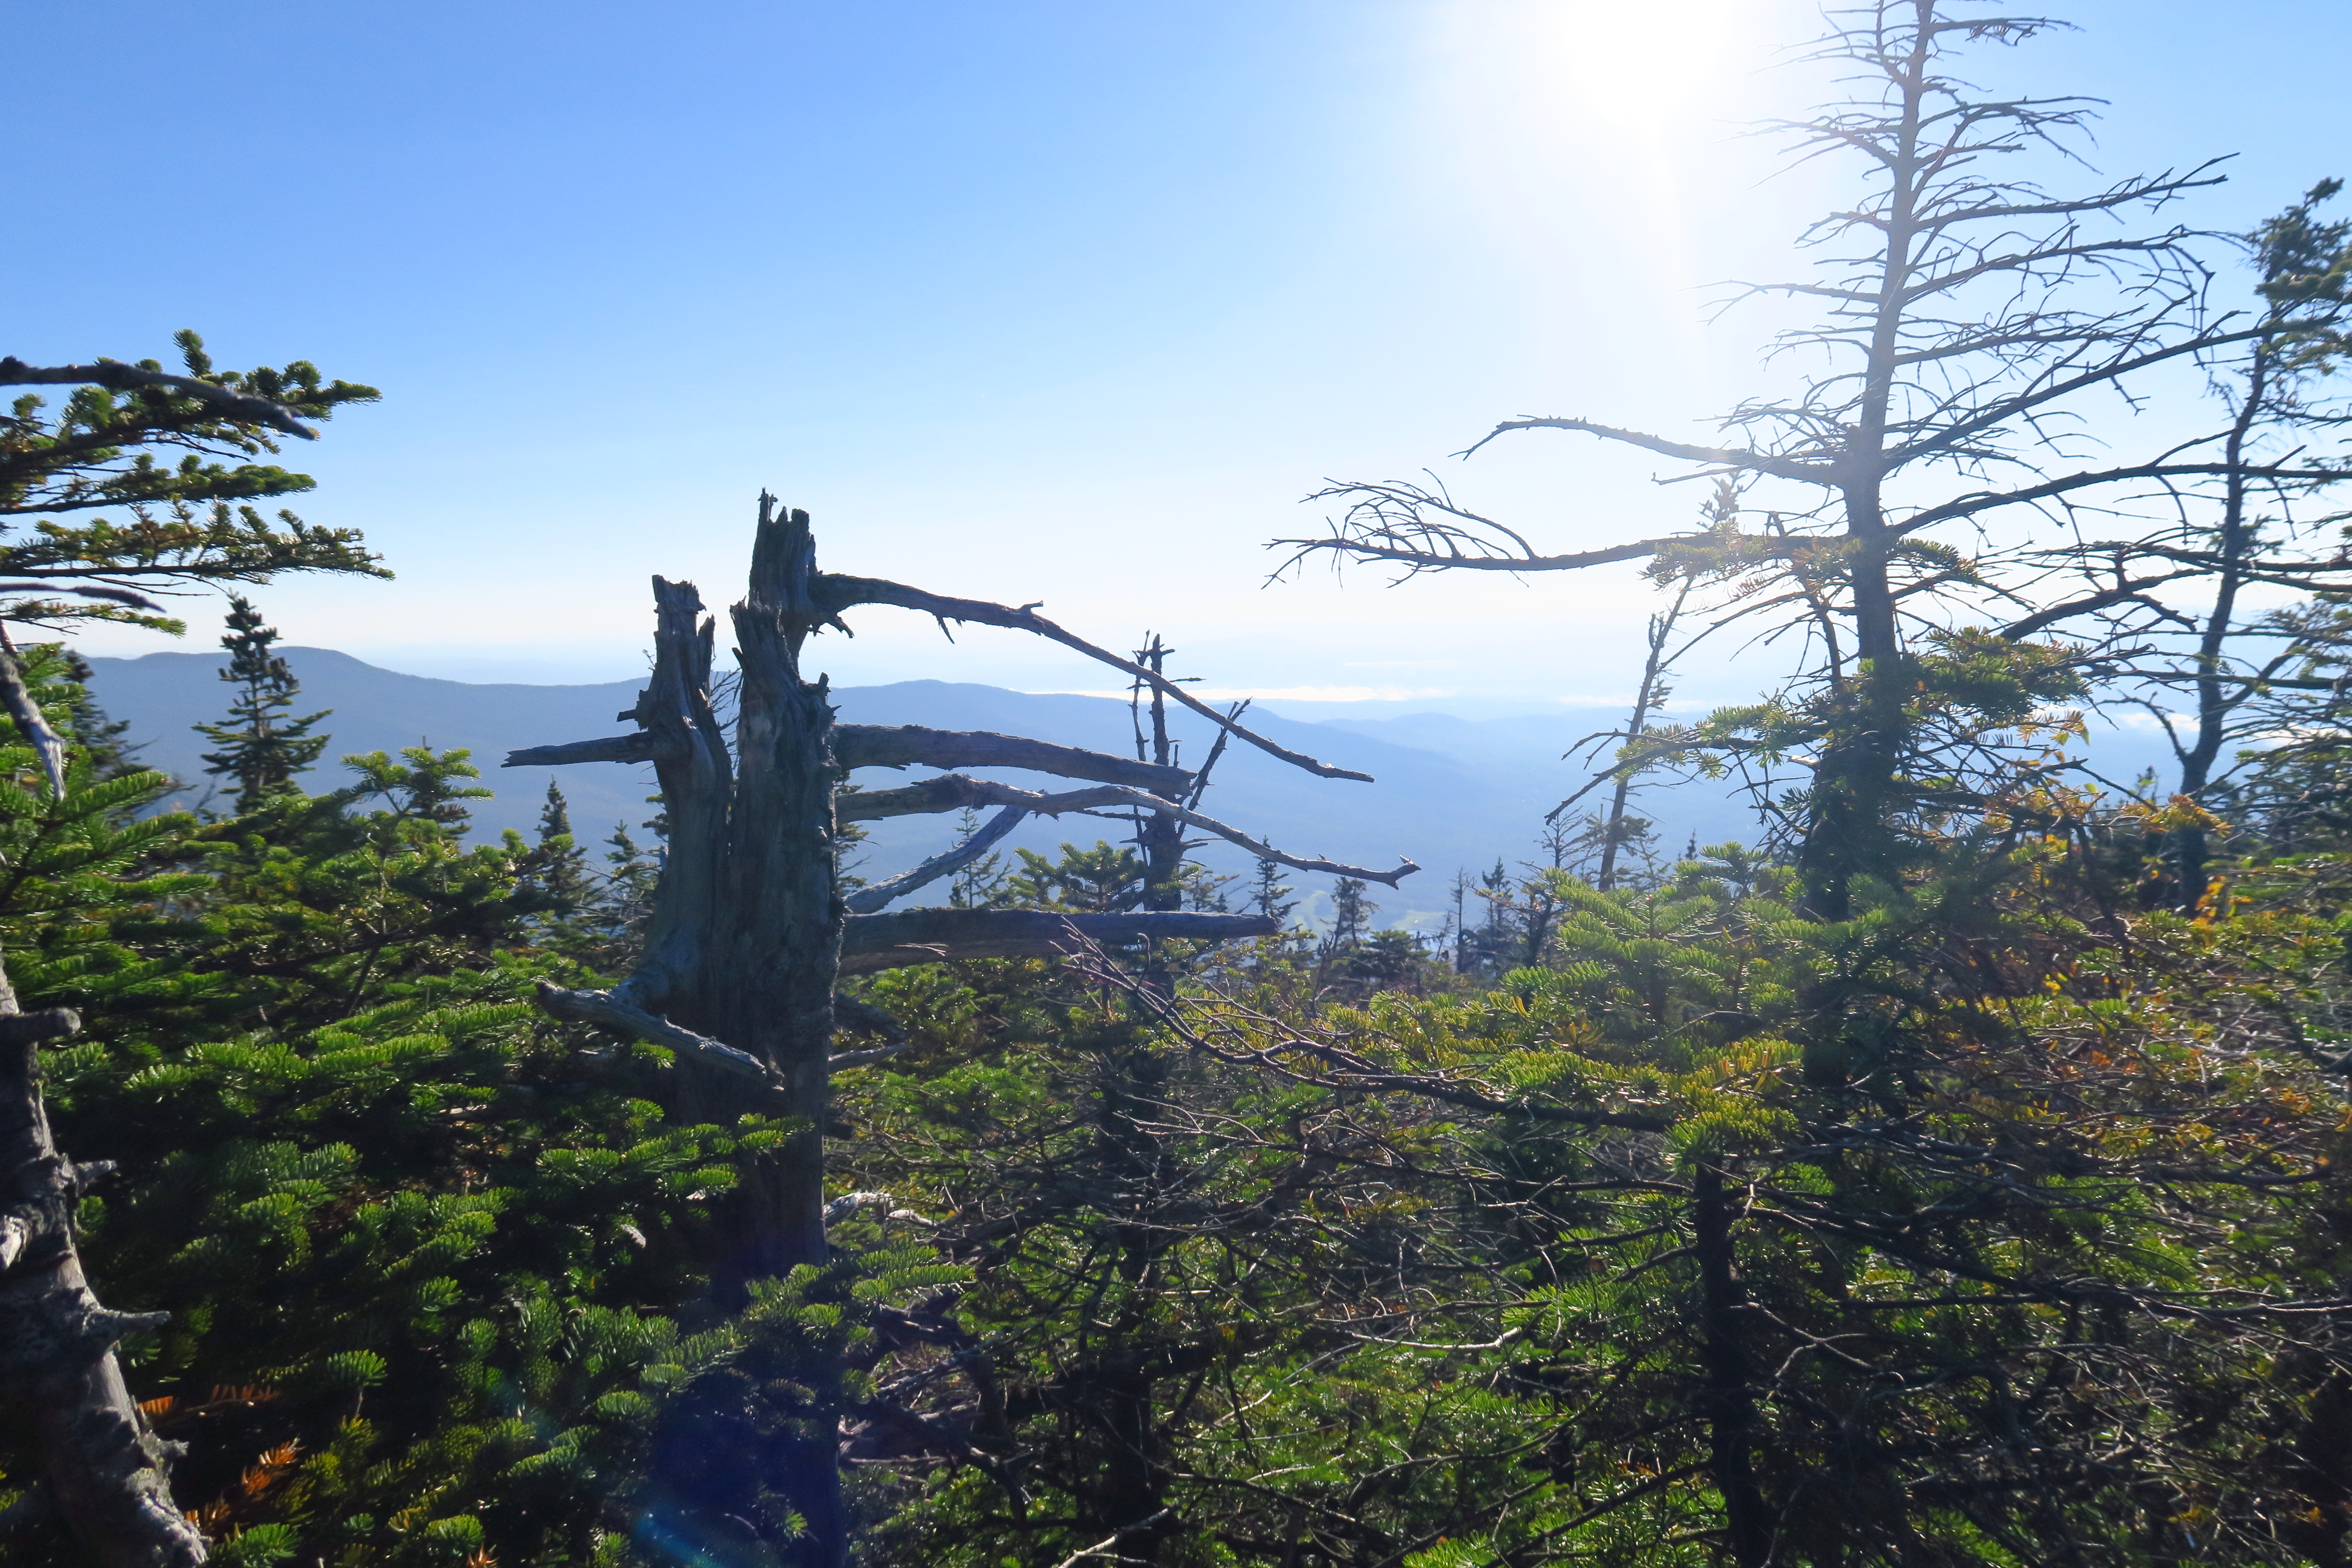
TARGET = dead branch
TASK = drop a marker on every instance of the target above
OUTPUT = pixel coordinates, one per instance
(639, 747)
(31, 723)
(1734, 458)
(876, 746)
(957, 792)
(608, 1011)
(867, 1019)
(1431, 560)
(602, 1007)
(880, 895)
(838, 593)
(102, 1468)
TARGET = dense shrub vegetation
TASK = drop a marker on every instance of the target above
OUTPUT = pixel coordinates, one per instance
(1960, 1172)
(1986, 1219)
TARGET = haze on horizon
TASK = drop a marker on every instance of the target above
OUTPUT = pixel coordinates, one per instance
(1034, 301)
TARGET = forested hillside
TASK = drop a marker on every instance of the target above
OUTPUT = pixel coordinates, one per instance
(1954, 1167)
(1447, 793)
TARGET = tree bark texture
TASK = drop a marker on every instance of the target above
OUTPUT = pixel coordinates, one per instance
(103, 1471)
(746, 929)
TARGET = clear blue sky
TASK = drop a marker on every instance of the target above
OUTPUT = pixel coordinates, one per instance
(1023, 299)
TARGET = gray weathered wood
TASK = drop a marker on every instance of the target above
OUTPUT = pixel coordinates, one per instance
(603, 1009)
(880, 895)
(871, 942)
(698, 785)
(31, 723)
(748, 934)
(836, 593)
(637, 747)
(875, 746)
(987, 792)
(613, 1013)
(103, 1470)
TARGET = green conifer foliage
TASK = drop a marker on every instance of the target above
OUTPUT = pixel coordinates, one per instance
(421, 1246)
(181, 523)
(562, 865)
(1101, 881)
(261, 747)
(420, 1264)
(1269, 895)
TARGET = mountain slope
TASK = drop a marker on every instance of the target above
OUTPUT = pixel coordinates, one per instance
(1452, 792)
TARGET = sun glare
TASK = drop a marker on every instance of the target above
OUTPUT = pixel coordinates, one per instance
(1646, 67)
(1581, 66)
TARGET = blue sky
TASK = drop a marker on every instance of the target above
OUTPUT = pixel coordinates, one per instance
(1034, 300)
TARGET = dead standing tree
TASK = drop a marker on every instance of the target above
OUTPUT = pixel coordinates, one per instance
(750, 930)
(1973, 324)
(104, 1471)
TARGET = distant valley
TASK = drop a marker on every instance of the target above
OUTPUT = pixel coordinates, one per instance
(1450, 792)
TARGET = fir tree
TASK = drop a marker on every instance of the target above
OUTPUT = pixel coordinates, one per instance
(1351, 917)
(1351, 912)
(981, 884)
(1267, 896)
(624, 905)
(1100, 880)
(562, 865)
(261, 747)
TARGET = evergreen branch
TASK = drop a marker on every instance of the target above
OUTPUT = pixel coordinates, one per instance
(240, 407)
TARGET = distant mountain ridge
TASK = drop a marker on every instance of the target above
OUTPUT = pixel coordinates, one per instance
(1451, 793)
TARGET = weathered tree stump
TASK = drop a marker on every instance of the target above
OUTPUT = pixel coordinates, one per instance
(749, 930)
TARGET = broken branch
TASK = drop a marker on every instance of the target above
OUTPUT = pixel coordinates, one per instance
(866, 900)
(639, 747)
(957, 791)
(875, 746)
(839, 593)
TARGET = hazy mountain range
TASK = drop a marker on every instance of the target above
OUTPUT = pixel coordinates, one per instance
(1452, 792)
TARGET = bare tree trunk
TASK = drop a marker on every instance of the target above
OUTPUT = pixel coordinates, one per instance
(1851, 831)
(746, 939)
(1651, 693)
(102, 1468)
(1726, 1399)
(1160, 835)
(2192, 853)
(773, 973)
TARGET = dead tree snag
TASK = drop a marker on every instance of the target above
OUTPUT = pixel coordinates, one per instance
(750, 930)
(102, 1470)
